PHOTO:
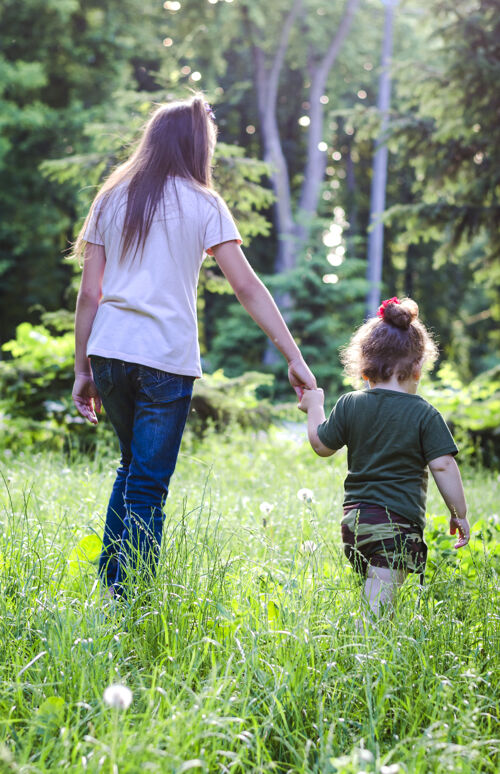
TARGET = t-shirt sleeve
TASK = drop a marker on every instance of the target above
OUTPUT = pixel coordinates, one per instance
(93, 230)
(220, 226)
(436, 438)
(332, 432)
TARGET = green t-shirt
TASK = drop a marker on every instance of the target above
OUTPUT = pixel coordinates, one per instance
(390, 437)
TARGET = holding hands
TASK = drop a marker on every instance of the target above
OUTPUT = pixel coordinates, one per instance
(310, 398)
(312, 404)
(300, 376)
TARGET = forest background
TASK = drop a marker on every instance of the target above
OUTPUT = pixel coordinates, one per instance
(294, 85)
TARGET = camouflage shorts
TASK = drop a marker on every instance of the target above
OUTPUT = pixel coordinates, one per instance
(373, 535)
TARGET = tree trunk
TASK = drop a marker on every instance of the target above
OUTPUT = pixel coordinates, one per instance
(352, 212)
(314, 172)
(266, 82)
(379, 178)
(293, 229)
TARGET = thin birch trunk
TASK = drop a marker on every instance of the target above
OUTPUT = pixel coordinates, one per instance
(267, 82)
(293, 227)
(316, 160)
(379, 177)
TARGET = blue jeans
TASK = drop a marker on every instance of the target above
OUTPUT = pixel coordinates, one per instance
(148, 409)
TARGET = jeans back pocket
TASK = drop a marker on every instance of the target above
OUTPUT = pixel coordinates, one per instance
(164, 387)
(103, 374)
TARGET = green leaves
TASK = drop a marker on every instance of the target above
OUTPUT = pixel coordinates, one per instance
(453, 130)
(49, 714)
(20, 75)
(35, 386)
(34, 347)
(86, 551)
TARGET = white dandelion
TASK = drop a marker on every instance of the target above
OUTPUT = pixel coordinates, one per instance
(118, 696)
(308, 547)
(393, 768)
(305, 495)
(266, 508)
(365, 756)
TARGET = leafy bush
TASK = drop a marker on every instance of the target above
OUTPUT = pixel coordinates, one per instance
(220, 401)
(35, 384)
(36, 406)
(472, 410)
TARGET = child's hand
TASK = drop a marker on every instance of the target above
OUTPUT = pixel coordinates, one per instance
(463, 530)
(311, 398)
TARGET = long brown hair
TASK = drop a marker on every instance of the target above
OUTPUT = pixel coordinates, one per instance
(392, 344)
(178, 141)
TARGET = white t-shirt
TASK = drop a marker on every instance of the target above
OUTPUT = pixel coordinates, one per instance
(147, 313)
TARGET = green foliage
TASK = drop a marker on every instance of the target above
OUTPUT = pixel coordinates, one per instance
(471, 409)
(238, 178)
(223, 402)
(328, 301)
(237, 343)
(35, 385)
(87, 550)
(59, 64)
(450, 129)
(446, 129)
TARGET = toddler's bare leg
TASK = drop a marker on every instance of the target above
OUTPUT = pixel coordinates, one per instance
(381, 586)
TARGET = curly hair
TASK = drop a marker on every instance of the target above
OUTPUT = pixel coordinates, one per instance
(391, 344)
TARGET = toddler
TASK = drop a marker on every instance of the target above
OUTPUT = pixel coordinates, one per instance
(392, 436)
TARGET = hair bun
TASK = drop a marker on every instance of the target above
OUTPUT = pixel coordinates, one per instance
(401, 315)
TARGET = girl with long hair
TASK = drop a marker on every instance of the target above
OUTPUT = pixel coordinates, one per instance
(136, 341)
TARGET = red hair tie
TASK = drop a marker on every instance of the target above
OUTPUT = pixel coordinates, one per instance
(383, 306)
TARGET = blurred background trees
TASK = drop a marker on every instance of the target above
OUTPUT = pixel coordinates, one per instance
(294, 88)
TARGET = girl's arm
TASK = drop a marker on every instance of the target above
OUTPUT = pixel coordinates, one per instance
(448, 481)
(85, 395)
(258, 302)
(313, 403)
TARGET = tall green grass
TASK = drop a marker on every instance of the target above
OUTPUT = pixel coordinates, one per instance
(244, 654)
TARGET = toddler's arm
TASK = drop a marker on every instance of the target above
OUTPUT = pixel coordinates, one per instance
(312, 403)
(448, 481)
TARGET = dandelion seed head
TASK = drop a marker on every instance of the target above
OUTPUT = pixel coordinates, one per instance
(266, 508)
(305, 495)
(118, 696)
(365, 755)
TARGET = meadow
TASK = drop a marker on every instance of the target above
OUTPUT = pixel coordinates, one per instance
(244, 655)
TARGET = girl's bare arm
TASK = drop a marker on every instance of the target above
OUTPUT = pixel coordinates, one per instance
(449, 482)
(258, 302)
(85, 395)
